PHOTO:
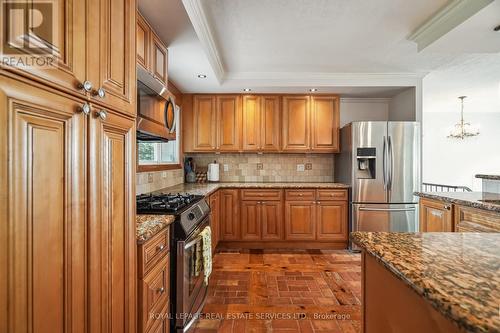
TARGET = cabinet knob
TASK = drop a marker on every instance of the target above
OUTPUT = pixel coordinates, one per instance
(300, 194)
(447, 207)
(101, 93)
(161, 290)
(85, 109)
(317, 202)
(160, 247)
(102, 114)
(86, 85)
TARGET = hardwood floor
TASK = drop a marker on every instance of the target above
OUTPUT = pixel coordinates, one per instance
(283, 291)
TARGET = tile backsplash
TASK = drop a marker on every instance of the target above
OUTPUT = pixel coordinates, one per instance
(153, 181)
(270, 167)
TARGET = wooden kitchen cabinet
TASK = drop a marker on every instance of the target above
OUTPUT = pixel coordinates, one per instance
(251, 222)
(435, 216)
(272, 220)
(204, 123)
(296, 123)
(331, 220)
(228, 122)
(229, 214)
(300, 220)
(159, 58)
(325, 118)
(468, 219)
(143, 42)
(261, 123)
(214, 202)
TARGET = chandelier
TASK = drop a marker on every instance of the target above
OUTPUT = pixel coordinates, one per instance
(462, 129)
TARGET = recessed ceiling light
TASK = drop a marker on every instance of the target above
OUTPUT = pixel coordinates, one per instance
(247, 89)
(313, 90)
(202, 76)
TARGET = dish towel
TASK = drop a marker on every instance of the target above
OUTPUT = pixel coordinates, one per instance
(206, 235)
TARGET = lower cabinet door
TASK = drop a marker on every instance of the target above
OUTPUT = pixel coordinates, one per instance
(250, 220)
(272, 220)
(332, 220)
(435, 216)
(161, 323)
(215, 218)
(300, 220)
(112, 273)
(42, 210)
(229, 214)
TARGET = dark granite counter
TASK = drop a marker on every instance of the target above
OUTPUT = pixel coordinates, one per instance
(458, 273)
(489, 177)
(150, 225)
(481, 200)
(208, 188)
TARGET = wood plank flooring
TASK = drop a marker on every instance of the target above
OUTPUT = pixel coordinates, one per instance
(283, 291)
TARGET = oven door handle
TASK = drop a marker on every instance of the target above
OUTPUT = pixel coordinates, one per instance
(191, 243)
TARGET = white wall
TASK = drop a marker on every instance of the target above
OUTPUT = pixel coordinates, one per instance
(358, 109)
(402, 107)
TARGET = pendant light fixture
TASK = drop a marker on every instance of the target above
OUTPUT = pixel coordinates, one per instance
(462, 129)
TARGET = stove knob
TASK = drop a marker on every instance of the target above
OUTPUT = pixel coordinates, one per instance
(191, 216)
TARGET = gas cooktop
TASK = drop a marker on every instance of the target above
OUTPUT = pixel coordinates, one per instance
(165, 203)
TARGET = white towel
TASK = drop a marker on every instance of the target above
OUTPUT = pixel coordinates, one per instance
(206, 236)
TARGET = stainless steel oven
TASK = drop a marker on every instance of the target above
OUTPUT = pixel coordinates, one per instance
(190, 289)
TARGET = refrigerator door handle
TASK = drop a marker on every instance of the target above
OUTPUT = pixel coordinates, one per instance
(384, 163)
(390, 163)
(410, 209)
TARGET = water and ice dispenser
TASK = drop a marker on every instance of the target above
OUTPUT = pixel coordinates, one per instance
(367, 160)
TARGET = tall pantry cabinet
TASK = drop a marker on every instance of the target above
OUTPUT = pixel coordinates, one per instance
(67, 179)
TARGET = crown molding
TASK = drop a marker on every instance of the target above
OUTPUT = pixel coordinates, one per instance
(198, 18)
(364, 100)
(449, 17)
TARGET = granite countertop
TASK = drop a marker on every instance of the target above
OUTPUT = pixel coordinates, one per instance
(481, 200)
(150, 225)
(208, 188)
(490, 177)
(458, 273)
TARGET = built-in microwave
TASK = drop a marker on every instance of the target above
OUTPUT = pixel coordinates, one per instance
(156, 109)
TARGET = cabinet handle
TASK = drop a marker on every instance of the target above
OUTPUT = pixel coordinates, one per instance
(262, 202)
(161, 290)
(101, 93)
(318, 203)
(102, 114)
(447, 207)
(160, 247)
(85, 109)
(300, 195)
(86, 85)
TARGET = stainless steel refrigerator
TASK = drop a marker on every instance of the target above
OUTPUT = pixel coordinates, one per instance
(381, 161)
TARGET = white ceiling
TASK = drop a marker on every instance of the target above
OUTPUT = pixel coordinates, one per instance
(355, 48)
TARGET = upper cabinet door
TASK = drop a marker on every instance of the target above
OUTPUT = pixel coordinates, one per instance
(113, 53)
(325, 123)
(67, 43)
(43, 231)
(228, 122)
(296, 123)
(159, 59)
(251, 123)
(270, 123)
(143, 41)
(204, 120)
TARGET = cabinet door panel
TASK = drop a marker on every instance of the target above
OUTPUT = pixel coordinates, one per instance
(229, 215)
(159, 59)
(204, 118)
(270, 124)
(215, 218)
(43, 252)
(300, 220)
(250, 220)
(68, 44)
(272, 220)
(296, 123)
(251, 123)
(228, 122)
(332, 220)
(113, 52)
(435, 216)
(143, 42)
(325, 123)
(112, 225)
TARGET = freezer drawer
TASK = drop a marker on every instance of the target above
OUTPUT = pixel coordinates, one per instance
(384, 217)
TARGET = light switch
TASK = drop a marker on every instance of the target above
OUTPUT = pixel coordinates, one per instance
(301, 167)
(164, 174)
(150, 177)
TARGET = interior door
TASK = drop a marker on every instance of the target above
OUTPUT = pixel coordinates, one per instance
(404, 161)
(384, 217)
(370, 134)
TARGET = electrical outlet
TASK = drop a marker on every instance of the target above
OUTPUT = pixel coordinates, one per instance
(150, 177)
(164, 174)
(309, 166)
(226, 167)
(260, 166)
(300, 167)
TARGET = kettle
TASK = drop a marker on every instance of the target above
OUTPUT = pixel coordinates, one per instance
(213, 172)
